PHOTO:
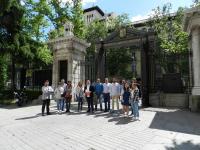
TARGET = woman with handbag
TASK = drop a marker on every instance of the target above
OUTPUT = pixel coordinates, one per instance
(68, 96)
(135, 101)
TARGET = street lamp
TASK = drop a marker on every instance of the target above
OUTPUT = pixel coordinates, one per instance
(133, 63)
(105, 63)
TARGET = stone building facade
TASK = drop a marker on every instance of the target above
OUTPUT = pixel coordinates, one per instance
(68, 57)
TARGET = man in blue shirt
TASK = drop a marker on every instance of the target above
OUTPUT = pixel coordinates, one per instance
(98, 92)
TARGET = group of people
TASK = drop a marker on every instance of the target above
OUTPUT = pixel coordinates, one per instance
(126, 92)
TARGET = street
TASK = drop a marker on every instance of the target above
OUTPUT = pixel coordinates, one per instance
(158, 129)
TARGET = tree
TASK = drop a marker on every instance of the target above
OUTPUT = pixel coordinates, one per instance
(3, 71)
(99, 30)
(78, 19)
(119, 62)
(172, 39)
(20, 35)
(58, 16)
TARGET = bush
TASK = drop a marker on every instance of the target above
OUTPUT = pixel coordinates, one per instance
(33, 94)
(7, 96)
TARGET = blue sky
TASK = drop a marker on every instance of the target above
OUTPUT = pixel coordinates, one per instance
(136, 9)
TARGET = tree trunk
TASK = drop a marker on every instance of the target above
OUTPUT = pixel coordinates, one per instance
(13, 86)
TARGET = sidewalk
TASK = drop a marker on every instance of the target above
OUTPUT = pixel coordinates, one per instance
(159, 129)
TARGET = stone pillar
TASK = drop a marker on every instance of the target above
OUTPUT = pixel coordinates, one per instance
(54, 72)
(192, 26)
(70, 64)
(196, 60)
(195, 45)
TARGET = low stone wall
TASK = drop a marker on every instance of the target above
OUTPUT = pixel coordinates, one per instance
(169, 100)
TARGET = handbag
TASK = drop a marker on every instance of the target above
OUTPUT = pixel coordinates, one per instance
(64, 93)
(140, 102)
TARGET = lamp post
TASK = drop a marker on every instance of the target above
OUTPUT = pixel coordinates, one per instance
(105, 62)
(134, 64)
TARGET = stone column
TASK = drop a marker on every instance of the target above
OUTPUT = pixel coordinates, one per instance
(196, 60)
(195, 45)
(70, 64)
(54, 72)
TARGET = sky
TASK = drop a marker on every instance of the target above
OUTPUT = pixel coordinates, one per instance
(136, 9)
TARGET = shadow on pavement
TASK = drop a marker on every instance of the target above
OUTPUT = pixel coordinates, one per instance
(114, 117)
(121, 120)
(36, 116)
(184, 146)
(177, 120)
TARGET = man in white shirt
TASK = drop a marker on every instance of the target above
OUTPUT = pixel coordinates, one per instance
(115, 93)
(47, 92)
(106, 95)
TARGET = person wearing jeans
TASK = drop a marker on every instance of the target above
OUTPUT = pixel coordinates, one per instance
(106, 95)
(79, 95)
(60, 101)
(115, 94)
(98, 92)
(135, 101)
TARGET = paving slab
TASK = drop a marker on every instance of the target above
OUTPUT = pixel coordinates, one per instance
(158, 129)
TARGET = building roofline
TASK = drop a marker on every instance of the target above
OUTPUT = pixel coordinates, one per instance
(94, 8)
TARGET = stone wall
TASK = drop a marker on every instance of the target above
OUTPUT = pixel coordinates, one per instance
(169, 100)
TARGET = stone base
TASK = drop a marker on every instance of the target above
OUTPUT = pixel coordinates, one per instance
(196, 91)
(195, 103)
(169, 100)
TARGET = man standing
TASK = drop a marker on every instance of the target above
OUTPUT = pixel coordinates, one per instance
(106, 95)
(115, 93)
(98, 92)
(88, 90)
(47, 92)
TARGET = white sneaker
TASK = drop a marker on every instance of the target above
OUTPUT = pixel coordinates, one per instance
(137, 118)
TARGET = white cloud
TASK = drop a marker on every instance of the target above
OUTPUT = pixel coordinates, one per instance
(139, 17)
(142, 17)
(84, 2)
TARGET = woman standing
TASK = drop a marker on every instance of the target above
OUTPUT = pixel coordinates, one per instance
(79, 95)
(47, 92)
(68, 96)
(135, 101)
(60, 101)
(125, 99)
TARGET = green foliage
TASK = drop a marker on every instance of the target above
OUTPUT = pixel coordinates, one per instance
(172, 39)
(78, 19)
(95, 31)
(58, 16)
(169, 29)
(119, 62)
(44, 54)
(21, 32)
(196, 3)
(3, 71)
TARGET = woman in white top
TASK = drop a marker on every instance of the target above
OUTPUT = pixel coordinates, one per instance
(60, 101)
(79, 95)
(47, 92)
